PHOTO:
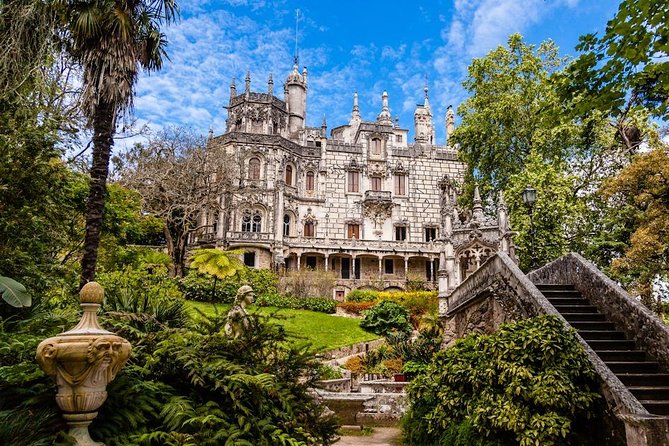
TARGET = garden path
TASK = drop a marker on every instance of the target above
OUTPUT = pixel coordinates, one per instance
(382, 436)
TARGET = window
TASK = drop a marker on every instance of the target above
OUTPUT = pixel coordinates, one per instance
(286, 225)
(354, 182)
(310, 181)
(354, 231)
(398, 138)
(254, 169)
(431, 269)
(345, 268)
(250, 259)
(400, 184)
(376, 146)
(309, 229)
(375, 183)
(389, 265)
(400, 233)
(430, 234)
(251, 223)
(289, 175)
(311, 262)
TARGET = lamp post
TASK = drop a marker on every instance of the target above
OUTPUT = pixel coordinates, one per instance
(530, 198)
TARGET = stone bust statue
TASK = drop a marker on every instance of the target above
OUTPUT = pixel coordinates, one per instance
(238, 318)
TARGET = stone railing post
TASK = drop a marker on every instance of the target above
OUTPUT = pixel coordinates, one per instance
(83, 361)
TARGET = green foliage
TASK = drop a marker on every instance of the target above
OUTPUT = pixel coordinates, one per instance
(418, 303)
(320, 304)
(199, 287)
(14, 293)
(386, 317)
(328, 372)
(362, 296)
(626, 66)
(218, 263)
(530, 383)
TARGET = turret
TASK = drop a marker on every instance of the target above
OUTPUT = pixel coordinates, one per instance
(384, 117)
(296, 99)
(422, 118)
(247, 83)
(355, 114)
(233, 90)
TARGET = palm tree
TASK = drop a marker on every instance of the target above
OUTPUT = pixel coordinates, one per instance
(111, 40)
(217, 263)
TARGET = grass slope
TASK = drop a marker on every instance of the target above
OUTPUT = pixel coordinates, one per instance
(324, 331)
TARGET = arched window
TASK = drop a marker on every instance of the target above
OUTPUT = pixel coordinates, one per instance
(289, 175)
(309, 229)
(256, 225)
(246, 222)
(376, 146)
(252, 222)
(286, 225)
(254, 169)
(310, 181)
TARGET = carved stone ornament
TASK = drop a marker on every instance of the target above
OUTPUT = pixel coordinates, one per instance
(83, 361)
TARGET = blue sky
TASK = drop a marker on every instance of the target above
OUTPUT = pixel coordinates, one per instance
(347, 46)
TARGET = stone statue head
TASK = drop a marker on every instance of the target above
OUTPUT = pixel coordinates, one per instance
(244, 296)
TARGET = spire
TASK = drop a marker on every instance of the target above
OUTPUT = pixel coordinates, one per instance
(270, 85)
(450, 122)
(384, 116)
(477, 209)
(304, 76)
(324, 127)
(355, 114)
(427, 100)
(247, 82)
(233, 89)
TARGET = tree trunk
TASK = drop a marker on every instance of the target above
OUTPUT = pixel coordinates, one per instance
(103, 132)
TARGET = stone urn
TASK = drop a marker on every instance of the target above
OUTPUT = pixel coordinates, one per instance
(83, 361)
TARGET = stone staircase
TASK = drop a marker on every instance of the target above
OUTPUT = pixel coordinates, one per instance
(635, 369)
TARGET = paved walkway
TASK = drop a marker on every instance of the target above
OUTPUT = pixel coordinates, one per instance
(382, 436)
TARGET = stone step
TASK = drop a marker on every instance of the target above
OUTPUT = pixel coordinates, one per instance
(601, 334)
(656, 407)
(576, 308)
(622, 355)
(568, 301)
(593, 325)
(650, 392)
(632, 366)
(562, 294)
(583, 317)
(608, 344)
(552, 287)
(644, 379)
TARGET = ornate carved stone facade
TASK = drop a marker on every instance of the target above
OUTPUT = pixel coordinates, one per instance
(362, 202)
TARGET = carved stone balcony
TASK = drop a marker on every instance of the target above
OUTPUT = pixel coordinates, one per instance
(378, 205)
(377, 196)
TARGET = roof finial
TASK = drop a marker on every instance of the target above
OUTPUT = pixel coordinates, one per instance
(297, 22)
(270, 85)
(247, 82)
(384, 116)
(355, 115)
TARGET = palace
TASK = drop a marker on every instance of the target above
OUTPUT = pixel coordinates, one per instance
(363, 202)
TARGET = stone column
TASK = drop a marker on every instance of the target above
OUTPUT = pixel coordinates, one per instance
(406, 267)
(431, 260)
(353, 267)
(380, 267)
(327, 256)
(299, 256)
(83, 361)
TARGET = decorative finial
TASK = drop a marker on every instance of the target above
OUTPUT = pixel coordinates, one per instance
(247, 82)
(297, 22)
(270, 85)
(92, 293)
(355, 115)
(384, 116)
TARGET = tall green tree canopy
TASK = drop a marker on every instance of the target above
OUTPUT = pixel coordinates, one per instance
(626, 67)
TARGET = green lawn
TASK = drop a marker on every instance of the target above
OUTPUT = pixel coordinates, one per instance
(324, 331)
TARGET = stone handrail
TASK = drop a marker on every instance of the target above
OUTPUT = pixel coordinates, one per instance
(628, 314)
(641, 427)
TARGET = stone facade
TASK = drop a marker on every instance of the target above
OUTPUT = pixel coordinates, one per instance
(364, 202)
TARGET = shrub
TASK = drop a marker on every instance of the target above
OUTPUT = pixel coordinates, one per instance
(200, 287)
(386, 317)
(529, 383)
(320, 304)
(354, 364)
(362, 296)
(355, 307)
(308, 283)
(328, 372)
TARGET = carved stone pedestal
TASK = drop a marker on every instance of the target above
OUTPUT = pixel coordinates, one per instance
(83, 361)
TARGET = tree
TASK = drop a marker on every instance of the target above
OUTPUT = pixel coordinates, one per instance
(510, 112)
(180, 182)
(111, 40)
(626, 67)
(642, 190)
(217, 263)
